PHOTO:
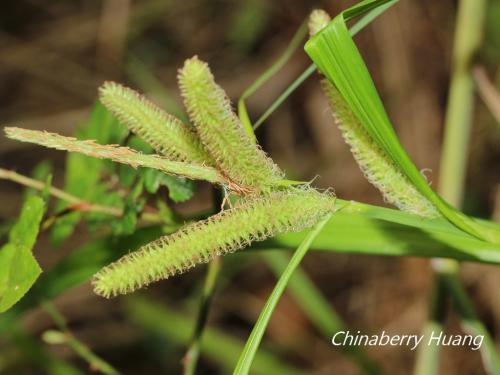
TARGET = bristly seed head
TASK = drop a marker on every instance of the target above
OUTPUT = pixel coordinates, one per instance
(251, 220)
(377, 167)
(164, 132)
(375, 164)
(220, 130)
(318, 19)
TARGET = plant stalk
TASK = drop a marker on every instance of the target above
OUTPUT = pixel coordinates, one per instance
(213, 270)
(193, 353)
(65, 336)
(252, 344)
(77, 203)
(453, 167)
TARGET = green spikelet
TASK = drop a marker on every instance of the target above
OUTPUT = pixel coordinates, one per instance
(220, 130)
(318, 19)
(116, 153)
(164, 132)
(374, 163)
(372, 160)
(252, 220)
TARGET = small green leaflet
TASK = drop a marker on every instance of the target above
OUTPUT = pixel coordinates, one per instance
(18, 268)
(180, 189)
(337, 57)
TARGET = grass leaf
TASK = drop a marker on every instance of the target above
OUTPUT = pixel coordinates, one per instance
(317, 308)
(248, 354)
(359, 228)
(337, 57)
(176, 327)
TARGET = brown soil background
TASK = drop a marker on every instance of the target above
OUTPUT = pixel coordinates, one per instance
(54, 55)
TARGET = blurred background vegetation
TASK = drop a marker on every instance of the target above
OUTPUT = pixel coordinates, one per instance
(54, 55)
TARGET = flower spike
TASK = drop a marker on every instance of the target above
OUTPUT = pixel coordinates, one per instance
(252, 220)
(221, 131)
(164, 132)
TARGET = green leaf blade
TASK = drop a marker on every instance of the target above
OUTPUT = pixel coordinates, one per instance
(337, 57)
(18, 268)
(252, 344)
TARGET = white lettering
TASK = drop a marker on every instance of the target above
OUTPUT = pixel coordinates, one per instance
(335, 336)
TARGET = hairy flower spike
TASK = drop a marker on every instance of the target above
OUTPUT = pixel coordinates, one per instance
(377, 167)
(252, 220)
(164, 132)
(116, 153)
(318, 19)
(221, 131)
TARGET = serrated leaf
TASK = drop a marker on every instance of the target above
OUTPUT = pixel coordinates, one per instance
(129, 175)
(18, 268)
(179, 189)
(151, 180)
(134, 204)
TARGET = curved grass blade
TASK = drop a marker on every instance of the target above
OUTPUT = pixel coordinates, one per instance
(217, 346)
(377, 167)
(264, 77)
(337, 57)
(316, 307)
(252, 344)
(358, 26)
(360, 228)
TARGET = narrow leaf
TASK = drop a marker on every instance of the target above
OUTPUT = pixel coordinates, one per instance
(377, 167)
(363, 229)
(337, 57)
(248, 354)
(216, 345)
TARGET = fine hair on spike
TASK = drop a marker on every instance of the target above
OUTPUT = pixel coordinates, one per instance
(253, 219)
(375, 164)
(165, 133)
(221, 131)
(318, 19)
(377, 167)
(116, 153)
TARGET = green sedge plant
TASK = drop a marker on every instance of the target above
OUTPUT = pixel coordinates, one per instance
(219, 146)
